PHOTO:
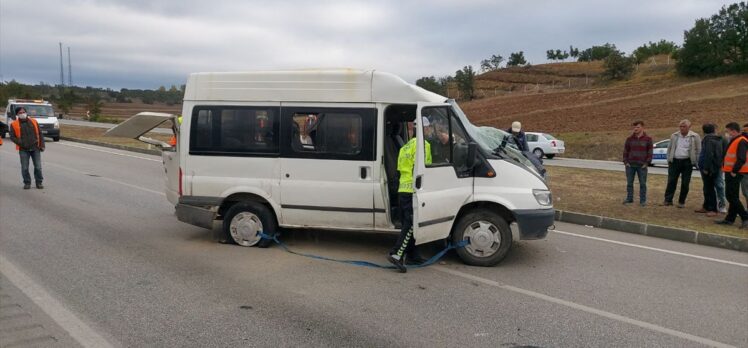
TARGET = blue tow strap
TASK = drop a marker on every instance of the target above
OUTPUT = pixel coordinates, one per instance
(428, 262)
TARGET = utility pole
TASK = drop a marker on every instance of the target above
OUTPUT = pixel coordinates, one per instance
(62, 73)
(70, 69)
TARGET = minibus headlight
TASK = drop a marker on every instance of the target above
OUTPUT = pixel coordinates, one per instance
(543, 197)
(57, 125)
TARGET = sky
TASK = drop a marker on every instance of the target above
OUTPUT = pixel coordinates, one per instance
(150, 43)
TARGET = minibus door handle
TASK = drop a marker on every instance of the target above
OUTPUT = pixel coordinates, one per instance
(364, 172)
(418, 181)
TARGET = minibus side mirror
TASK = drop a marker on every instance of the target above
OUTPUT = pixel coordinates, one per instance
(472, 155)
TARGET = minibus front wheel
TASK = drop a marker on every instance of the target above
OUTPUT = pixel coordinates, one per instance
(489, 238)
(244, 221)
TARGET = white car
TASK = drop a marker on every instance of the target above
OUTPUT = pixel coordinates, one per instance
(659, 153)
(544, 144)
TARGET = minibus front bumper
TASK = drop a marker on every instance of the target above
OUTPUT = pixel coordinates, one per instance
(534, 223)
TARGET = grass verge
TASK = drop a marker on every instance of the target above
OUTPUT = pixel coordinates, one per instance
(601, 192)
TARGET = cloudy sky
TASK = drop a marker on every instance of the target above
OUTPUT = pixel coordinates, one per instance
(149, 43)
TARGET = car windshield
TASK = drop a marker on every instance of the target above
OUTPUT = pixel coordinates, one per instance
(38, 110)
(493, 140)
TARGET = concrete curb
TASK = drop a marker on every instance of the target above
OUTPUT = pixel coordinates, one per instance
(113, 146)
(677, 234)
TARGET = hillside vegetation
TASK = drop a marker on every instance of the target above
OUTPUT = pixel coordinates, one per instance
(654, 94)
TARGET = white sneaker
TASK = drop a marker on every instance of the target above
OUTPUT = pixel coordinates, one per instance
(723, 210)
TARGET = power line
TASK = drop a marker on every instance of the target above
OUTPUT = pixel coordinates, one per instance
(70, 69)
(62, 73)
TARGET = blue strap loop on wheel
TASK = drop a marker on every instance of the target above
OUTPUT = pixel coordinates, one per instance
(428, 262)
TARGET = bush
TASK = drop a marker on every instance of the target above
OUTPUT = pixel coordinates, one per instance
(618, 66)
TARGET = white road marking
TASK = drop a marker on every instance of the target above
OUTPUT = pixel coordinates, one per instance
(77, 329)
(653, 249)
(65, 143)
(583, 308)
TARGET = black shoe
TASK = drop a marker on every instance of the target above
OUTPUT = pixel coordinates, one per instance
(39, 186)
(626, 202)
(415, 260)
(398, 263)
(723, 222)
(666, 204)
(26, 186)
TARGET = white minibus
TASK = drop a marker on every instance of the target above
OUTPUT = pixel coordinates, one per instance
(318, 149)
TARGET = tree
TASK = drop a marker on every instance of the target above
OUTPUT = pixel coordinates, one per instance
(573, 52)
(517, 59)
(492, 63)
(718, 45)
(597, 52)
(618, 66)
(550, 54)
(430, 83)
(654, 48)
(66, 101)
(465, 80)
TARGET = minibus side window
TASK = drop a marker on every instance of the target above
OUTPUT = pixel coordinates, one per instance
(446, 138)
(235, 130)
(327, 133)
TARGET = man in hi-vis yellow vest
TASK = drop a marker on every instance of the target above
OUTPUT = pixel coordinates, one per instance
(406, 161)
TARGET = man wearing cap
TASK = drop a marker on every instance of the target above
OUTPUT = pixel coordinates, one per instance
(29, 142)
(406, 160)
(519, 136)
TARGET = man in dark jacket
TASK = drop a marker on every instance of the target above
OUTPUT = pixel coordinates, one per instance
(27, 136)
(519, 136)
(637, 154)
(710, 164)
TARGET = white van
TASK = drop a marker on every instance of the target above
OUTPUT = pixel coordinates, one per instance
(40, 110)
(318, 149)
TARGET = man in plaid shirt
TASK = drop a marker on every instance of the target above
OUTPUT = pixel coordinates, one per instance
(637, 154)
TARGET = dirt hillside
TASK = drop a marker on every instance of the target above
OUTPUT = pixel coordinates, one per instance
(653, 95)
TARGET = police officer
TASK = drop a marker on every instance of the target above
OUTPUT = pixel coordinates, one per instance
(405, 162)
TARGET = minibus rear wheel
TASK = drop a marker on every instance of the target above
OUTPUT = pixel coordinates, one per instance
(489, 238)
(245, 219)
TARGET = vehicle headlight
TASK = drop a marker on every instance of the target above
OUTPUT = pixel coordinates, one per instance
(543, 197)
(57, 125)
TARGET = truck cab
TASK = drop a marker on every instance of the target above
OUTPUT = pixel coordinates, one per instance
(41, 110)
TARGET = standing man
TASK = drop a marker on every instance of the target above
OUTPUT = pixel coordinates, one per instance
(29, 142)
(710, 165)
(637, 154)
(735, 167)
(685, 146)
(406, 160)
(519, 136)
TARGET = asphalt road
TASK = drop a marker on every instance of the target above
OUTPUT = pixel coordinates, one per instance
(100, 252)
(603, 165)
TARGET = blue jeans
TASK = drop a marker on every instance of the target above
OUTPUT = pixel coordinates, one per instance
(36, 157)
(719, 184)
(641, 172)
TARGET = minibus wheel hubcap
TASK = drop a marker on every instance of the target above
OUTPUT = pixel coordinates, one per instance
(484, 238)
(245, 227)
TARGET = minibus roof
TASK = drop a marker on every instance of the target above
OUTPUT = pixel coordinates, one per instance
(313, 85)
